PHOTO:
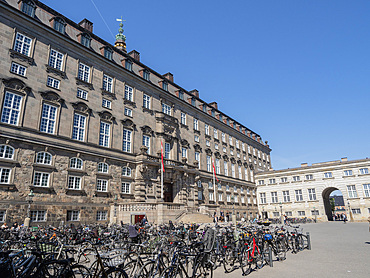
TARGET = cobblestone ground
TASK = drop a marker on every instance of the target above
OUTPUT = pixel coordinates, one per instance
(338, 250)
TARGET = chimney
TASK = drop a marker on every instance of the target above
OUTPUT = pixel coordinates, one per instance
(344, 159)
(169, 76)
(304, 164)
(213, 104)
(134, 54)
(195, 92)
(86, 24)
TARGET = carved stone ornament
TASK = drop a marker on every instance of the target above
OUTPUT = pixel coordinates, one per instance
(52, 96)
(239, 162)
(81, 107)
(147, 130)
(208, 151)
(17, 85)
(143, 150)
(245, 164)
(232, 159)
(217, 155)
(251, 166)
(197, 148)
(185, 143)
(225, 157)
(128, 123)
(107, 116)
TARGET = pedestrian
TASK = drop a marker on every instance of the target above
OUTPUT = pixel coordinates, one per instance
(344, 218)
(5, 226)
(144, 221)
(285, 219)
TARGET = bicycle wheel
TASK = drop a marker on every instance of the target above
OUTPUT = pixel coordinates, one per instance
(80, 271)
(148, 270)
(171, 272)
(131, 268)
(114, 273)
(229, 260)
(201, 270)
(245, 262)
(280, 250)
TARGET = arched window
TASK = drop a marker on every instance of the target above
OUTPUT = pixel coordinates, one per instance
(76, 163)
(43, 158)
(103, 167)
(126, 171)
(6, 152)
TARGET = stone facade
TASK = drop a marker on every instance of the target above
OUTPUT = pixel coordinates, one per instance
(304, 191)
(82, 122)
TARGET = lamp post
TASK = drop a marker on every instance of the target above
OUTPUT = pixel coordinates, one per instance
(314, 210)
(281, 213)
(350, 212)
(29, 201)
(233, 217)
(115, 209)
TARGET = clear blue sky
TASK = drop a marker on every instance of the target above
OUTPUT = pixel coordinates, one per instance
(296, 72)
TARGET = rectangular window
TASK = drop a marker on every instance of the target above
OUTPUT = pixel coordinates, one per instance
(23, 44)
(146, 142)
(74, 183)
(196, 126)
(126, 140)
(146, 75)
(272, 181)
(286, 196)
(223, 137)
(200, 195)
(56, 60)
(242, 199)
(52, 82)
(126, 188)
(230, 140)
(184, 152)
(128, 112)
(197, 158)
(209, 164)
(314, 212)
(328, 175)
(288, 213)
(18, 69)
(73, 215)
(296, 178)
(206, 129)
(224, 149)
(38, 215)
(104, 134)
(356, 211)
(263, 198)
(352, 193)
(28, 8)
(101, 215)
(167, 149)
(128, 65)
(85, 40)
(82, 94)
(183, 118)
(11, 108)
(196, 138)
(78, 132)
(181, 95)
(274, 197)
(228, 198)
(261, 182)
(4, 175)
(215, 133)
(2, 215)
(309, 177)
(237, 143)
(108, 53)
(348, 173)
(165, 86)
(166, 109)
(211, 196)
(364, 171)
(129, 93)
(41, 179)
(233, 170)
(59, 25)
(298, 195)
(240, 172)
(217, 166)
(108, 83)
(220, 197)
(367, 190)
(107, 103)
(146, 101)
(193, 101)
(301, 213)
(83, 72)
(102, 185)
(216, 146)
(284, 179)
(226, 169)
(276, 214)
(312, 194)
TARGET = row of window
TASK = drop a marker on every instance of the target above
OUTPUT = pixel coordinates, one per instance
(326, 175)
(234, 199)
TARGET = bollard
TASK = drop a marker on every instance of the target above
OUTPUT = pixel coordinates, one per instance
(270, 257)
(308, 241)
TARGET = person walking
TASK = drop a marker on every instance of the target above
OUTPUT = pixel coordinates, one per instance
(344, 218)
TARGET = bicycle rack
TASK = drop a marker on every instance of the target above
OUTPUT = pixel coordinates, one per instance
(308, 241)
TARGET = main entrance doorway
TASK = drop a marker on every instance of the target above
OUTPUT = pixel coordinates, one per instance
(168, 192)
(333, 202)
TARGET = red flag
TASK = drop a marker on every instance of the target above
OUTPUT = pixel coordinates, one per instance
(162, 156)
(214, 169)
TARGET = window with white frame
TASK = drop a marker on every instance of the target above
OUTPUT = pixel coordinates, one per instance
(286, 196)
(107, 83)
(196, 138)
(228, 198)
(233, 170)
(261, 182)
(200, 194)
(79, 125)
(249, 149)
(301, 213)
(240, 172)
(197, 158)
(356, 211)
(246, 174)
(167, 150)
(146, 142)
(56, 59)
(226, 168)
(348, 172)
(73, 215)
(284, 179)
(206, 129)
(128, 112)
(211, 196)
(364, 171)
(352, 192)
(311, 194)
(231, 152)
(217, 166)
(230, 140)
(5, 175)
(126, 188)
(82, 93)
(74, 182)
(236, 199)
(243, 147)
(166, 109)
(224, 149)
(272, 181)
(209, 164)
(38, 215)
(86, 40)
(215, 133)
(126, 171)
(6, 152)
(274, 197)
(237, 143)
(216, 146)
(309, 177)
(22, 44)
(102, 185)
(43, 158)
(227, 187)
(83, 72)
(146, 101)
(183, 118)
(328, 175)
(223, 137)
(101, 215)
(238, 155)
(28, 7)
(220, 197)
(298, 195)
(104, 134)
(263, 198)
(18, 69)
(184, 152)
(296, 178)
(126, 146)
(48, 118)
(41, 179)
(242, 199)
(366, 189)
(2, 215)
(107, 103)
(103, 168)
(196, 124)
(11, 108)
(275, 214)
(219, 186)
(76, 163)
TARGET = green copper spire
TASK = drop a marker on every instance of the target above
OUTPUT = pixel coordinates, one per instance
(120, 36)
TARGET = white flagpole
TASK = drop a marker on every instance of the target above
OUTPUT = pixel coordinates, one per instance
(162, 166)
(214, 179)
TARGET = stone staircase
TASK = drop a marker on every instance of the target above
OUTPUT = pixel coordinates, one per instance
(194, 217)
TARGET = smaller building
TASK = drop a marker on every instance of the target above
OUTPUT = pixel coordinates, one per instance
(305, 191)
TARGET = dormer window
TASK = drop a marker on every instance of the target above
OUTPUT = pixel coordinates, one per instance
(205, 108)
(108, 53)
(165, 85)
(128, 64)
(86, 40)
(59, 25)
(146, 74)
(193, 101)
(213, 113)
(28, 7)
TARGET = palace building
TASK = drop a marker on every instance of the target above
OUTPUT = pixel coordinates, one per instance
(305, 191)
(82, 123)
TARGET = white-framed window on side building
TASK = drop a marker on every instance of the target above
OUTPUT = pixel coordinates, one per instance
(263, 198)
(311, 194)
(146, 142)
(48, 118)
(352, 192)
(18, 69)
(274, 197)
(126, 188)
(126, 146)
(286, 196)
(298, 195)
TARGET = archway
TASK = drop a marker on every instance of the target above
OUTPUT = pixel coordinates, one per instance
(326, 199)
